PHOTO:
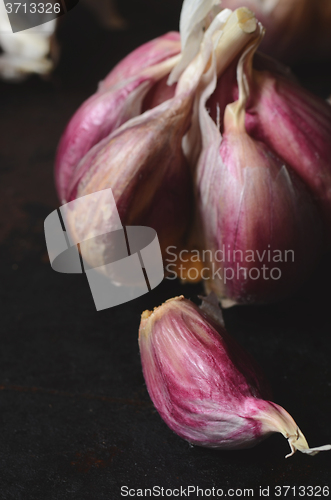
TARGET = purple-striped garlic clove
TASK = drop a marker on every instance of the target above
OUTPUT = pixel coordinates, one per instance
(226, 90)
(260, 222)
(119, 98)
(268, 227)
(143, 164)
(206, 388)
(297, 126)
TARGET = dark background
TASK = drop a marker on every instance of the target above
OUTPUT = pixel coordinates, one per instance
(76, 421)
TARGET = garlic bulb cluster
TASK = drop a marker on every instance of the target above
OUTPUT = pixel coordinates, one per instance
(204, 385)
(213, 148)
(222, 153)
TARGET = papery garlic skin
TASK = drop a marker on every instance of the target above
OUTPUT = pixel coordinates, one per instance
(119, 98)
(204, 385)
(239, 30)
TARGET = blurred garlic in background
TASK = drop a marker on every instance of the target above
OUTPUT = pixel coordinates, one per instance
(36, 50)
(24, 52)
(295, 29)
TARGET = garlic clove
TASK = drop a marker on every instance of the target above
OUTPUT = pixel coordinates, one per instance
(206, 388)
(101, 114)
(259, 220)
(297, 126)
(226, 90)
(196, 16)
(159, 93)
(151, 187)
(147, 55)
(268, 226)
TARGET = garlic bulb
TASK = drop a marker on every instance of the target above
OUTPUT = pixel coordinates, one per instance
(204, 385)
(153, 129)
(142, 160)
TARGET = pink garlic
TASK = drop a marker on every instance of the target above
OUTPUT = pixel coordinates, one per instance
(150, 53)
(204, 385)
(259, 219)
(142, 161)
(297, 126)
(118, 99)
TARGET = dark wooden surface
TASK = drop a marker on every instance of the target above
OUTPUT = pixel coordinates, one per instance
(76, 421)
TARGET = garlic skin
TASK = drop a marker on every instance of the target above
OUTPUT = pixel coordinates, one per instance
(204, 385)
(119, 98)
(297, 126)
(254, 210)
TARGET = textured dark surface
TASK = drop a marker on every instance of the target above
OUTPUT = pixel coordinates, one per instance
(76, 421)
